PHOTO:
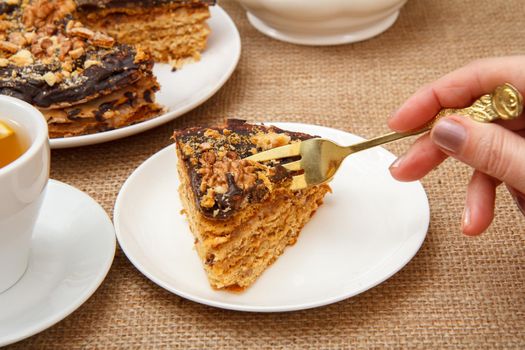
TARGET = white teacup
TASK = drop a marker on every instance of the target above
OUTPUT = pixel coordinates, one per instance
(22, 187)
(327, 22)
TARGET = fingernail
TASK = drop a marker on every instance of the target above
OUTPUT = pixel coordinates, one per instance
(396, 163)
(449, 135)
(466, 218)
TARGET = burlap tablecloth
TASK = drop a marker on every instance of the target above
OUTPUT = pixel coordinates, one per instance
(458, 292)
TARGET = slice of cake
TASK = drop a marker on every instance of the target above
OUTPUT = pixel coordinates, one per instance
(174, 31)
(241, 213)
(80, 79)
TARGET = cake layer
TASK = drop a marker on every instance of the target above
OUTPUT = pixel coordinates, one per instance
(173, 32)
(262, 240)
(90, 126)
(179, 49)
(121, 108)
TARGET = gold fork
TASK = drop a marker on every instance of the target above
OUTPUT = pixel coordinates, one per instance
(321, 158)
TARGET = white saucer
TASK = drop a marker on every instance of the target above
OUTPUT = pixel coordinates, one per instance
(367, 230)
(72, 251)
(184, 89)
(323, 39)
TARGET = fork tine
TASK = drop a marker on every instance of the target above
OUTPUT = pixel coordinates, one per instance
(291, 150)
(298, 182)
(293, 166)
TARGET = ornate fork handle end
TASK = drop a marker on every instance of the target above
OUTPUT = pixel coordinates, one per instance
(504, 103)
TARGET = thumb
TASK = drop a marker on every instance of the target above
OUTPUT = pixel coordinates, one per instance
(489, 148)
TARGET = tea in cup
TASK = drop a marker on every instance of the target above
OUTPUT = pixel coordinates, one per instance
(13, 143)
(24, 173)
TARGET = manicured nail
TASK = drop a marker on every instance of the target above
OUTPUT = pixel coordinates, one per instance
(396, 163)
(466, 218)
(449, 135)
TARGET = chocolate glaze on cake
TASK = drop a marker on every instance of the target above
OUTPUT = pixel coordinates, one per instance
(115, 69)
(221, 179)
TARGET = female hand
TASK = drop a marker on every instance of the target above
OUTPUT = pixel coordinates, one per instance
(496, 151)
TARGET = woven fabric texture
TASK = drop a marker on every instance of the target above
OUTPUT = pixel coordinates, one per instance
(458, 292)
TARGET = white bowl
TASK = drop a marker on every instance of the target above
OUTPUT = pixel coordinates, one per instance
(327, 22)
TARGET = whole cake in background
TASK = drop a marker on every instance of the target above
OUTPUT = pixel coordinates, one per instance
(82, 79)
(242, 213)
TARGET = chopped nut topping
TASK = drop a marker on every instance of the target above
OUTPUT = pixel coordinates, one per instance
(5, 25)
(214, 172)
(40, 13)
(77, 42)
(50, 78)
(208, 200)
(30, 36)
(71, 24)
(205, 146)
(209, 158)
(22, 58)
(270, 140)
(234, 139)
(65, 47)
(82, 33)
(44, 9)
(28, 18)
(67, 67)
(76, 53)
(140, 56)
(9, 47)
(17, 38)
(46, 43)
(90, 63)
(212, 133)
(102, 40)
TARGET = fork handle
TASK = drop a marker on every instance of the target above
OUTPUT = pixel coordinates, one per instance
(381, 140)
(505, 103)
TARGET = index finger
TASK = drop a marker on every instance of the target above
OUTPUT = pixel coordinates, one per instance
(459, 89)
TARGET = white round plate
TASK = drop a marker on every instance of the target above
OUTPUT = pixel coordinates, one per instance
(184, 89)
(367, 230)
(72, 250)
